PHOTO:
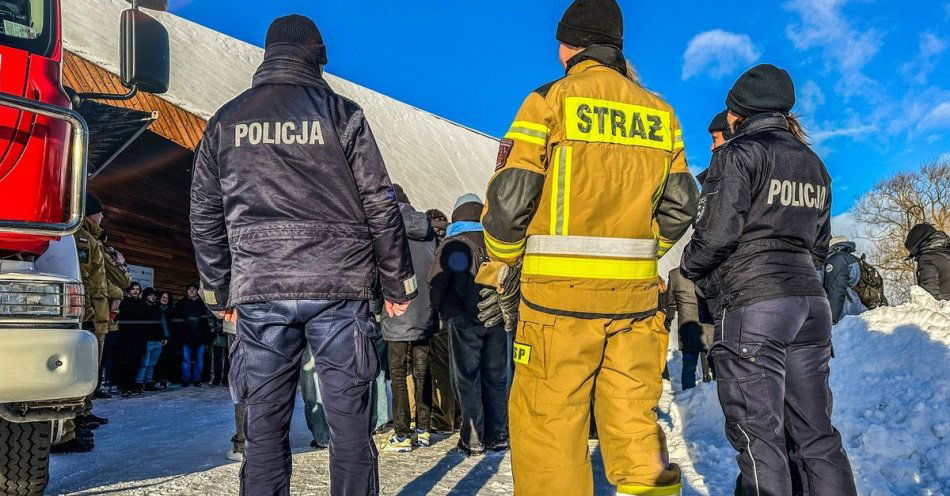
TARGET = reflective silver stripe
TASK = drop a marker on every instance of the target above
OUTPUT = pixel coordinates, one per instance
(561, 178)
(748, 445)
(528, 132)
(591, 246)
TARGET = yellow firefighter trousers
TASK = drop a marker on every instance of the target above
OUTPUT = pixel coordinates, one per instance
(565, 366)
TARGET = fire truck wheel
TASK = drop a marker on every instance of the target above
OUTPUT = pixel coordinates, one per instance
(24, 458)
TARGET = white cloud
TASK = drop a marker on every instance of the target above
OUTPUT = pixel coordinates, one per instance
(944, 158)
(938, 117)
(851, 132)
(847, 50)
(810, 97)
(931, 46)
(718, 53)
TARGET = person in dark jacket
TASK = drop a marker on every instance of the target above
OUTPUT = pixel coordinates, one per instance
(694, 325)
(134, 330)
(930, 248)
(294, 221)
(407, 337)
(168, 368)
(479, 354)
(719, 130)
(842, 274)
(760, 237)
(219, 351)
(446, 416)
(156, 337)
(194, 336)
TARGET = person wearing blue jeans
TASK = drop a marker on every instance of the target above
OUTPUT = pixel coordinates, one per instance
(156, 335)
(192, 364)
(146, 375)
(194, 336)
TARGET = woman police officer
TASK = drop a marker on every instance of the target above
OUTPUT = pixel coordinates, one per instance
(762, 229)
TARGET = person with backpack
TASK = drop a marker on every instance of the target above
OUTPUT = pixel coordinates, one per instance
(479, 354)
(842, 275)
(930, 248)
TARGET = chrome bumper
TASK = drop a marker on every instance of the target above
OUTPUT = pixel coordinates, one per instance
(47, 364)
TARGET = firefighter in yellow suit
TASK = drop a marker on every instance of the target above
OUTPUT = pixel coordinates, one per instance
(592, 187)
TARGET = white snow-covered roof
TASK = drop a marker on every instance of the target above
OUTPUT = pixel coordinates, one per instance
(435, 160)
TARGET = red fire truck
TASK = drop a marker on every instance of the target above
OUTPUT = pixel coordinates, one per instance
(48, 364)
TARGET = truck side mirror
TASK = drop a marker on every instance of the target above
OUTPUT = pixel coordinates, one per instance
(144, 55)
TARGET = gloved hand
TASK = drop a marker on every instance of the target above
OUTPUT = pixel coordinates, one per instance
(500, 302)
(489, 309)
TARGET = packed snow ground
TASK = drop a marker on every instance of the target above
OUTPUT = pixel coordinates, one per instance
(890, 378)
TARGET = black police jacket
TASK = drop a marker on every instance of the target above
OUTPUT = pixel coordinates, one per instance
(933, 265)
(290, 199)
(764, 222)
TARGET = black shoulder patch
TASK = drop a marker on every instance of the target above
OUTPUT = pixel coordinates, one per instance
(543, 90)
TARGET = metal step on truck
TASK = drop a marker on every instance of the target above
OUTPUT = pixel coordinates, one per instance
(48, 363)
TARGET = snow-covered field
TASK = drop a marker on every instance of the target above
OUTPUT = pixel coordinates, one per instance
(890, 377)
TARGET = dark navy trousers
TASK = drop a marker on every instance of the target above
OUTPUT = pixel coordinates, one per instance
(772, 364)
(265, 369)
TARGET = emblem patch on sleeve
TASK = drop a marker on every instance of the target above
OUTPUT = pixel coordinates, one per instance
(83, 255)
(410, 285)
(210, 297)
(504, 150)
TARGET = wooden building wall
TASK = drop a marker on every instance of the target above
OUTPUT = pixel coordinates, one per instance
(145, 197)
(145, 191)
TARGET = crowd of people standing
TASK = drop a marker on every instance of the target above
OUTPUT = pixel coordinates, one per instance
(161, 342)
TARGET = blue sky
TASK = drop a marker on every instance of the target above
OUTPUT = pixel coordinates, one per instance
(872, 76)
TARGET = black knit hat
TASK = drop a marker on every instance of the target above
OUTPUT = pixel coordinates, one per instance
(762, 89)
(93, 205)
(591, 22)
(917, 236)
(297, 30)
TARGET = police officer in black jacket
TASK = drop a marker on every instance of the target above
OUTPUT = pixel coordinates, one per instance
(761, 235)
(293, 220)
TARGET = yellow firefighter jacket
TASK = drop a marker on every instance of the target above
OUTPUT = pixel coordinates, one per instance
(592, 187)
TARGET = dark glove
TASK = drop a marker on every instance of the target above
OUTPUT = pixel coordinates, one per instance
(510, 298)
(500, 304)
(489, 308)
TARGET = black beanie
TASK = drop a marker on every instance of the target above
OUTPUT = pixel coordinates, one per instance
(591, 22)
(297, 30)
(917, 235)
(93, 205)
(401, 196)
(762, 89)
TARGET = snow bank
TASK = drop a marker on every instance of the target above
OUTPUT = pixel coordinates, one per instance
(891, 385)
(891, 380)
(436, 160)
